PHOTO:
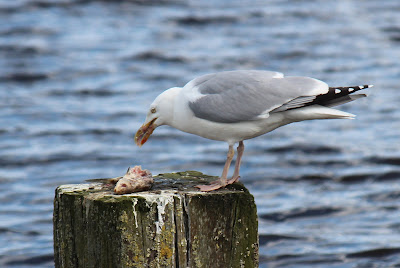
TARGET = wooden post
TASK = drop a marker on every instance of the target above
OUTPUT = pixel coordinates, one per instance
(173, 225)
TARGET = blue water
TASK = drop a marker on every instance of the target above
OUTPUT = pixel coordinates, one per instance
(77, 77)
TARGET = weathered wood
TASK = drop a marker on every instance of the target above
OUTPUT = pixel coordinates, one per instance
(173, 225)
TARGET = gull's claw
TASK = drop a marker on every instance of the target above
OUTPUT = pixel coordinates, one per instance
(215, 185)
(233, 180)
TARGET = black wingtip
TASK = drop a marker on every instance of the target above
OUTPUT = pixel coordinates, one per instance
(342, 91)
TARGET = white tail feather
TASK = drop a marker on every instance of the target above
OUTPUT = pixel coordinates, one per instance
(317, 112)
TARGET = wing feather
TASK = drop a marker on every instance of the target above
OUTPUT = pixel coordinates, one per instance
(237, 96)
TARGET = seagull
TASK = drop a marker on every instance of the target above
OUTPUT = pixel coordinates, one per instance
(234, 106)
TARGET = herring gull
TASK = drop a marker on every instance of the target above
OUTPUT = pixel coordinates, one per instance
(234, 106)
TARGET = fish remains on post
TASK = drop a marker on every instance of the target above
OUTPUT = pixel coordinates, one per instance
(235, 106)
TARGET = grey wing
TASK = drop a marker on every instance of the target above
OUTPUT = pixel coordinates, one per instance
(238, 96)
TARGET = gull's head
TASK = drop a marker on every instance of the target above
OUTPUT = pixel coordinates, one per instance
(160, 113)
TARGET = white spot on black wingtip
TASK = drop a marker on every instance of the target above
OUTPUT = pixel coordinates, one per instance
(337, 91)
(351, 89)
(365, 86)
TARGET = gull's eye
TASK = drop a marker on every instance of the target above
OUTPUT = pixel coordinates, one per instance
(153, 110)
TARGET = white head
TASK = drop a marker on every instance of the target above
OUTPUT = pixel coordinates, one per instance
(160, 113)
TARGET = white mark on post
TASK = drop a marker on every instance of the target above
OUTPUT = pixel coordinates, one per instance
(134, 203)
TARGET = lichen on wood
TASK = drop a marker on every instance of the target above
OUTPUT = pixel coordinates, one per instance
(173, 225)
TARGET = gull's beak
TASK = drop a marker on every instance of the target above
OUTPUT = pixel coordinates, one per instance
(144, 132)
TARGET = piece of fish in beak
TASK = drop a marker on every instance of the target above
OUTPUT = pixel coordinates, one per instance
(144, 132)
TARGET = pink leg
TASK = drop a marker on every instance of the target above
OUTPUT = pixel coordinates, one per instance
(222, 181)
(235, 177)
